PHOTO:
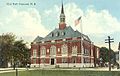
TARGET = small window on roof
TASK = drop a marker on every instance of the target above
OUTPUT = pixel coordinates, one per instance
(52, 34)
(57, 33)
(63, 33)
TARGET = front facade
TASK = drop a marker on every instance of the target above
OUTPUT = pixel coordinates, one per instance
(63, 47)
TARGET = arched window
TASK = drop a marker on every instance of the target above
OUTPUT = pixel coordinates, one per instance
(34, 53)
(57, 33)
(74, 50)
(52, 34)
(63, 33)
(74, 59)
(43, 50)
(64, 49)
(53, 50)
(86, 51)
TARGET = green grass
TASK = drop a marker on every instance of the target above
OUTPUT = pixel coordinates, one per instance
(63, 73)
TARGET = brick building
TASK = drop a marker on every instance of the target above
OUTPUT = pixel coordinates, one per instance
(64, 47)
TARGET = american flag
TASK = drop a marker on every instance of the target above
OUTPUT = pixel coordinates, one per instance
(77, 21)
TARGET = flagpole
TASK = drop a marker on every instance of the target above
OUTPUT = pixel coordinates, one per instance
(79, 20)
(82, 50)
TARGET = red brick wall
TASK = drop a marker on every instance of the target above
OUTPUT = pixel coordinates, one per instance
(34, 46)
(58, 60)
(78, 59)
(62, 26)
(47, 60)
(58, 44)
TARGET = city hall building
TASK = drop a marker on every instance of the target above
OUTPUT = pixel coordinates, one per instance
(63, 47)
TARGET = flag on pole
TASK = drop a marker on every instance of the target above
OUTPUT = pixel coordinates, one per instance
(77, 21)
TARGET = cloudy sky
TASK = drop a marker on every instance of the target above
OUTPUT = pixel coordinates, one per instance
(30, 18)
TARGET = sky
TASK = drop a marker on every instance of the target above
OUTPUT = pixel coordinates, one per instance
(28, 19)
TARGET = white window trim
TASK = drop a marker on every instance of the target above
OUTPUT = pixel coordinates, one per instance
(34, 53)
(64, 50)
(43, 51)
(52, 50)
(74, 51)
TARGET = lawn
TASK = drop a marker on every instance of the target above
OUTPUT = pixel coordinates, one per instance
(63, 73)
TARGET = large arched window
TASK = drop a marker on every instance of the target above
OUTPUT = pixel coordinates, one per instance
(43, 50)
(64, 49)
(34, 53)
(53, 50)
(74, 50)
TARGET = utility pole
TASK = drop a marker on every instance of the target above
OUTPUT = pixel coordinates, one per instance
(39, 54)
(16, 72)
(16, 65)
(109, 41)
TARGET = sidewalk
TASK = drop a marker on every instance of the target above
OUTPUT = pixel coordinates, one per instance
(4, 70)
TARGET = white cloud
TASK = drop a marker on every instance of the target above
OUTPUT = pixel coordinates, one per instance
(1, 24)
(100, 22)
(95, 23)
(52, 16)
(48, 12)
(27, 23)
(55, 11)
(72, 12)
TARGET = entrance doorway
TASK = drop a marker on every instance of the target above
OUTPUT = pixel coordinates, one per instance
(52, 61)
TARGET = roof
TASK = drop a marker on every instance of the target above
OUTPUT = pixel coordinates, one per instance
(57, 34)
(38, 39)
(62, 9)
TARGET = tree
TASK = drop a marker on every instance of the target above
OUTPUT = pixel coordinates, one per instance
(6, 43)
(21, 53)
(12, 50)
(104, 54)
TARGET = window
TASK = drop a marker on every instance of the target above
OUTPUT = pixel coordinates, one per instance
(58, 49)
(73, 59)
(53, 50)
(52, 34)
(86, 60)
(35, 53)
(34, 61)
(64, 60)
(63, 33)
(64, 49)
(86, 52)
(74, 50)
(57, 33)
(43, 50)
(43, 60)
(47, 50)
